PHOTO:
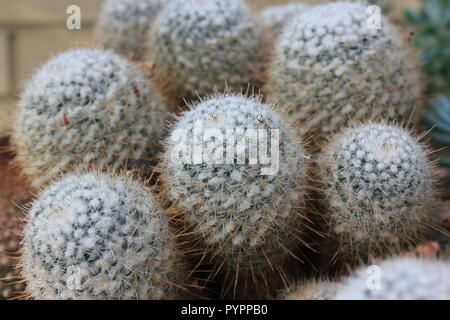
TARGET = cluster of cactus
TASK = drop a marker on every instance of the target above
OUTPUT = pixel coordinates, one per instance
(329, 66)
(234, 179)
(98, 236)
(85, 108)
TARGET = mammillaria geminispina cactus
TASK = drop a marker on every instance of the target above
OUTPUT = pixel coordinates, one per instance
(330, 66)
(97, 236)
(246, 220)
(84, 108)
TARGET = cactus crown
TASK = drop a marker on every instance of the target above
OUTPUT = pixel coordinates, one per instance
(87, 107)
(379, 189)
(97, 236)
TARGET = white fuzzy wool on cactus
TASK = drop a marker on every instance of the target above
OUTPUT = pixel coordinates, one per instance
(276, 17)
(400, 279)
(329, 66)
(243, 219)
(199, 46)
(124, 25)
(97, 236)
(315, 289)
(379, 189)
(83, 108)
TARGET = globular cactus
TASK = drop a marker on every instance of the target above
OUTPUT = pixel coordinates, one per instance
(124, 25)
(87, 107)
(399, 279)
(312, 290)
(379, 190)
(246, 213)
(331, 65)
(276, 17)
(96, 236)
(199, 46)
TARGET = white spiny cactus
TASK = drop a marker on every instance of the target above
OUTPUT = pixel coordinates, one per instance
(379, 189)
(329, 66)
(87, 107)
(245, 219)
(97, 236)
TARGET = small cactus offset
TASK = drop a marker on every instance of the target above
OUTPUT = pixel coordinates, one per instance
(246, 220)
(400, 279)
(379, 190)
(201, 46)
(312, 290)
(276, 17)
(96, 236)
(87, 107)
(329, 66)
(124, 25)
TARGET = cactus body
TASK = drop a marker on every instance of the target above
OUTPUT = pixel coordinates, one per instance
(95, 236)
(379, 188)
(329, 67)
(124, 25)
(246, 220)
(400, 279)
(199, 46)
(83, 108)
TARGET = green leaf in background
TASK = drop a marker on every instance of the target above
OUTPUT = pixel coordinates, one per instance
(433, 36)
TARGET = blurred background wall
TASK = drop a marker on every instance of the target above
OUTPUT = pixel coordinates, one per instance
(33, 30)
